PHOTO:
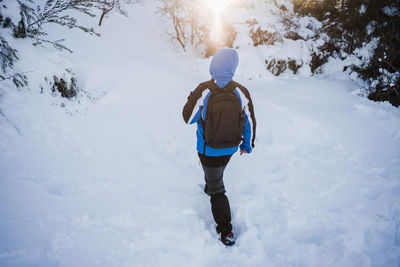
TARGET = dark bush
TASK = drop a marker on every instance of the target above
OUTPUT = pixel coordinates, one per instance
(7, 23)
(293, 66)
(61, 86)
(390, 95)
(277, 67)
(261, 37)
(352, 24)
(20, 30)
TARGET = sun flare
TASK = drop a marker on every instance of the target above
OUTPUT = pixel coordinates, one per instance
(218, 5)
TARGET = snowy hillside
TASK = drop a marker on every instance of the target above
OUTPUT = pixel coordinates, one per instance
(113, 180)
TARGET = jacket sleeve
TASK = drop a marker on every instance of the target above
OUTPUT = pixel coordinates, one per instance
(246, 135)
(249, 130)
(191, 110)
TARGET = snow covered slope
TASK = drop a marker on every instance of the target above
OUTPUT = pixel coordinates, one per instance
(114, 182)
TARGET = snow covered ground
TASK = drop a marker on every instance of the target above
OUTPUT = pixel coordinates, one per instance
(114, 181)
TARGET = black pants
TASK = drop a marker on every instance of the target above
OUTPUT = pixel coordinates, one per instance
(213, 174)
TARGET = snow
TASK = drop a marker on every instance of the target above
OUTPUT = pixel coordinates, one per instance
(363, 8)
(12, 11)
(114, 181)
(268, 16)
(390, 11)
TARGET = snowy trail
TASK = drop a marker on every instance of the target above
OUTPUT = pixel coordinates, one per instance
(117, 184)
(133, 199)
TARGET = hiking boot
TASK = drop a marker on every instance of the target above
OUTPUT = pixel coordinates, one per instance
(227, 239)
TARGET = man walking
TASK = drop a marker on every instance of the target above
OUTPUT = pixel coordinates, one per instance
(224, 113)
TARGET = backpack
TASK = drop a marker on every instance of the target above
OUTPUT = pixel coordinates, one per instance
(224, 119)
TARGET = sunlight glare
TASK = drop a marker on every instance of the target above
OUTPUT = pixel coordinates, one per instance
(218, 5)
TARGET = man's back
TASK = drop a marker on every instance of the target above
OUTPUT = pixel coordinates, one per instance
(198, 107)
(224, 113)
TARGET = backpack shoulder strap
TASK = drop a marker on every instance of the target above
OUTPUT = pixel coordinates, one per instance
(211, 85)
(230, 86)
